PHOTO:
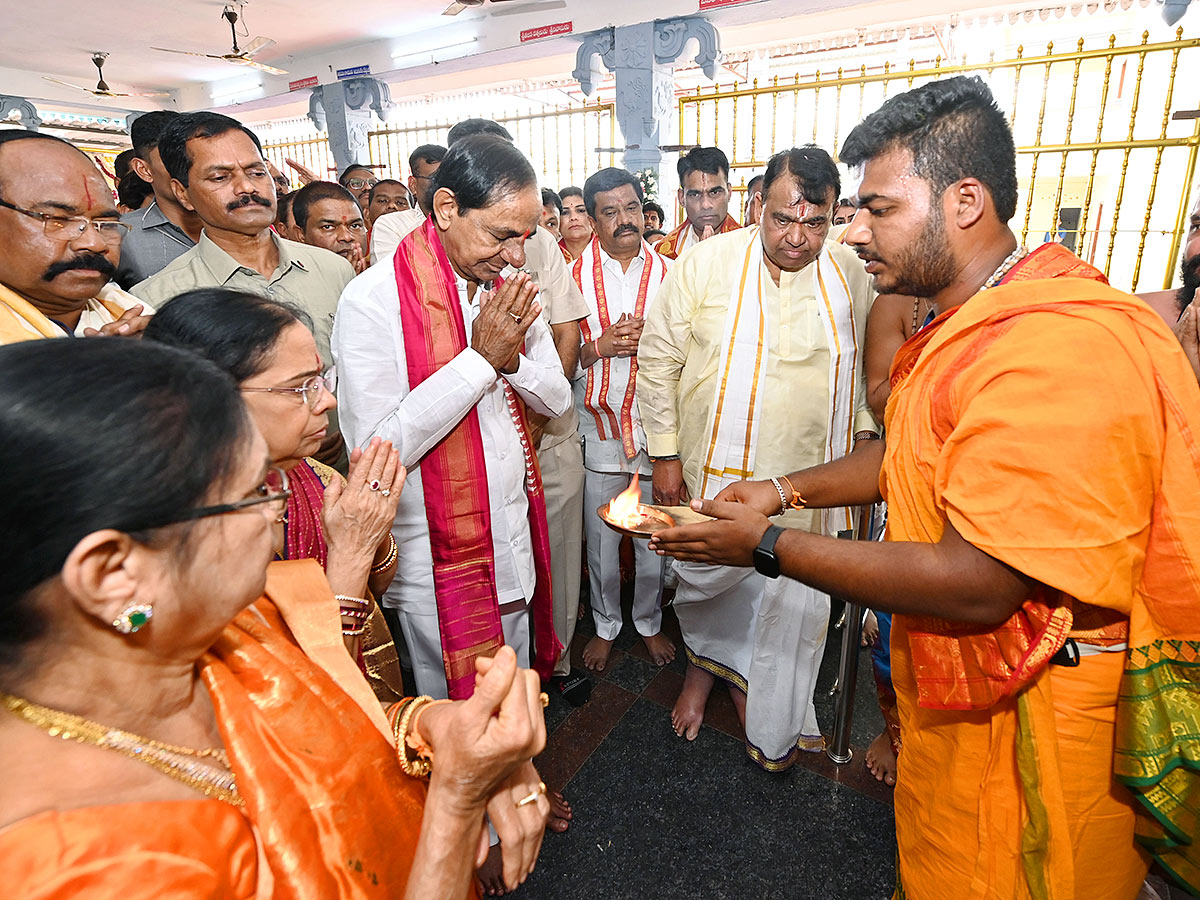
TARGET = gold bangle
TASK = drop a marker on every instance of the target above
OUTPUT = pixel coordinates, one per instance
(395, 717)
(389, 558)
(417, 768)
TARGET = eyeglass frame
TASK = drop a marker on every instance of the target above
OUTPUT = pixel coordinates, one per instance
(122, 232)
(323, 383)
(221, 509)
(363, 183)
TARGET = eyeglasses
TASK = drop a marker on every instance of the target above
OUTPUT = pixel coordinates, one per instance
(309, 391)
(357, 184)
(274, 490)
(68, 228)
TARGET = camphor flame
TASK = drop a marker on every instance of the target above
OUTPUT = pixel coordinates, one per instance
(625, 509)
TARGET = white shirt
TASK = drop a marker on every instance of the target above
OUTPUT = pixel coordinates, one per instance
(620, 290)
(390, 229)
(374, 399)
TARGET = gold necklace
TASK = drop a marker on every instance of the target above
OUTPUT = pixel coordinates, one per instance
(213, 779)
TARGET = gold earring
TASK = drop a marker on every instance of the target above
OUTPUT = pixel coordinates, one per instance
(133, 618)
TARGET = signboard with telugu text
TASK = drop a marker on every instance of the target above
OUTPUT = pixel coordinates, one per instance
(545, 31)
(353, 72)
(302, 83)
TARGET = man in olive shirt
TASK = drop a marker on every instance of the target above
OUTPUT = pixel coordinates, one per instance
(217, 170)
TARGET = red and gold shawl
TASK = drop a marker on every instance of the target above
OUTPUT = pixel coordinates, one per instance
(454, 478)
(672, 245)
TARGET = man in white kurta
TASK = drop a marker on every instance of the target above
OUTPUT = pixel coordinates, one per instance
(750, 363)
(619, 275)
(374, 399)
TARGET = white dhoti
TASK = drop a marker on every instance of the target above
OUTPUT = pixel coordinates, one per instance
(424, 641)
(718, 608)
(604, 566)
(562, 486)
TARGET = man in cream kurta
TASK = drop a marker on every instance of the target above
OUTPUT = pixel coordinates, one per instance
(750, 364)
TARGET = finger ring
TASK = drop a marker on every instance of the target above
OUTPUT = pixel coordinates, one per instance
(544, 699)
(533, 795)
(374, 484)
(515, 317)
(386, 492)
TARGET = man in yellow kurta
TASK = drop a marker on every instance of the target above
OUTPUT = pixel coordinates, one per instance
(1043, 560)
(750, 360)
(60, 242)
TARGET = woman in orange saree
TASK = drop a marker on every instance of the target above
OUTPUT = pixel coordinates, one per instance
(178, 724)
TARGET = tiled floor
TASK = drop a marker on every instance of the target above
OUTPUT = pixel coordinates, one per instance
(658, 816)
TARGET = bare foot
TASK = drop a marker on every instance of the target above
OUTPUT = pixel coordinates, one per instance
(662, 650)
(870, 630)
(688, 714)
(739, 703)
(560, 813)
(881, 760)
(595, 654)
(491, 873)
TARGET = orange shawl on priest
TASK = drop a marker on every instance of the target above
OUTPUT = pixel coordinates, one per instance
(1055, 422)
(329, 814)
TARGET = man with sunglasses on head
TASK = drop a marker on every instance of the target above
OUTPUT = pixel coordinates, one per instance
(60, 244)
(358, 180)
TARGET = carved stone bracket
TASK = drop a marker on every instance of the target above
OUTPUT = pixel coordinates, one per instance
(672, 35)
(596, 44)
(29, 114)
(344, 110)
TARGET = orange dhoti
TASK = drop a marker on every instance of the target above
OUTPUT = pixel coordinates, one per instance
(1055, 423)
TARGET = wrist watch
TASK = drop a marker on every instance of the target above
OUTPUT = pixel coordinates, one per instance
(765, 560)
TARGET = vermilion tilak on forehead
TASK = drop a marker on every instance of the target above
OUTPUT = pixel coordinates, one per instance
(87, 190)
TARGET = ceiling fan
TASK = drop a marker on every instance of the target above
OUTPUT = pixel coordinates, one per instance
(459, 5)
(102, 89)
(239, 56)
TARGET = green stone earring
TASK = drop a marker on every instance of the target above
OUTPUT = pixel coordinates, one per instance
(133, 618)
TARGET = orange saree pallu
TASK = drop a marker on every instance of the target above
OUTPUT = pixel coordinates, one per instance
(328, 813)
(1052, 421)
(672, 245)
(454, 477)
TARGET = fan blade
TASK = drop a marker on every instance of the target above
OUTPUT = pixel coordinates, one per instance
(188, 53)
(148, 94)
(259, 43)
(68, 84)
(263, 67)
(454, 9)
(528, 7)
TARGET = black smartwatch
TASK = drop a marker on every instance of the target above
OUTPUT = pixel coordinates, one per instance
(765, 560)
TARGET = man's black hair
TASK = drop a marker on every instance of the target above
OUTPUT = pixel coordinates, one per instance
(551, 198)
(468, 127)
(147, 129)
(172, 143)
(426, 153)
(608, 180)
(315, 192)
(953, 129)
(481, 168)
(123, 163)
(753, 184)
(811, 166)
(710, 160)
(650, 205)
(132, 191)
(345, 176)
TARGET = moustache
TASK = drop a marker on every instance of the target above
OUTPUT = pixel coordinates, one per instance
(246, 200)
(867, 257)
(100, 263)
(625, 229)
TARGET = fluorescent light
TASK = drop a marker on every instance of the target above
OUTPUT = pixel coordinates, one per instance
(241, 95)
(426, 50)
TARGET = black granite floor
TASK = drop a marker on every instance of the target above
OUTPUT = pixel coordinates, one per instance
(656, 815)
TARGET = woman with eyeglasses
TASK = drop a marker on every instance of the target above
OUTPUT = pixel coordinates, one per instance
(172, 721)
(345, 524)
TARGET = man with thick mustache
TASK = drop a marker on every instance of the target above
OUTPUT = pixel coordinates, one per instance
(751, 359)
(60, 242)
(217, 169)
